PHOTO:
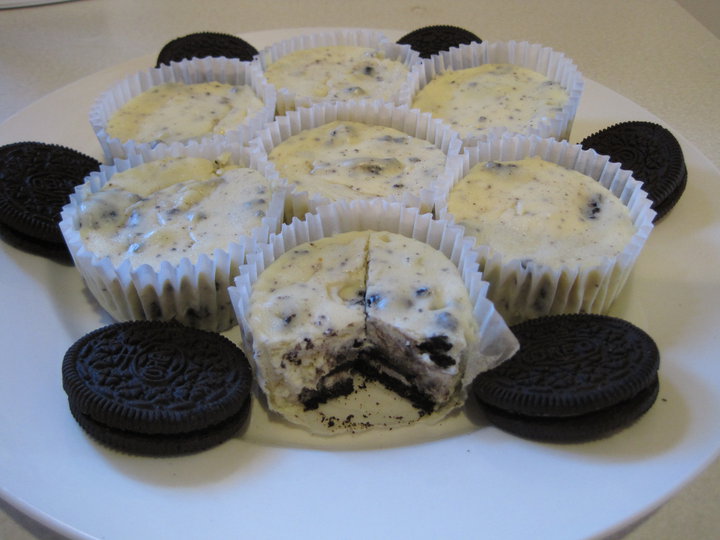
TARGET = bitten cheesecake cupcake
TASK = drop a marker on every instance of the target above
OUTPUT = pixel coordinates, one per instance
(339, 66)
(559, 228)
(361, 150)
(197, 100)
(485, 89)
(160, 236)
(367, 315)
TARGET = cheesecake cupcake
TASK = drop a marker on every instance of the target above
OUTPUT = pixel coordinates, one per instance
(197, 100)
(367, 315)
(361, 150)
(339, 66)
(559, 228)
(486, 89)
(160, 235)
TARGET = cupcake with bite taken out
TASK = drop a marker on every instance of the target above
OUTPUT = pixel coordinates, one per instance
(362, 149)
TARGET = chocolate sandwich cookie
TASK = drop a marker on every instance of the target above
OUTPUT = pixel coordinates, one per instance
(157, 388)
(430, 40)
(202, 44)
(575, 378)
(36, 180)
(51, 250)
(652, 153)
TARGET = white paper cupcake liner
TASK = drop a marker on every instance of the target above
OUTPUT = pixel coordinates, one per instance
(223, 70)
(494, 344)
(191, 292)
(373, 112)
(288, 100)
(554, 65)
(522, 292)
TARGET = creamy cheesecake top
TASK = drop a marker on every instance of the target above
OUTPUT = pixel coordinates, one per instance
(353, 160)
(172, 208)
(338, 72)
(537, 211)
(173, 112)
(477, 99)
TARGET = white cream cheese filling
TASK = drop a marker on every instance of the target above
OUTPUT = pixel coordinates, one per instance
(352, 160)
(338, 72)
(475, 100)
(172, 112)
(540, 212)
(172, 208)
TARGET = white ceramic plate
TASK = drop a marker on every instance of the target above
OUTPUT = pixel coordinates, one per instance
(460, 479)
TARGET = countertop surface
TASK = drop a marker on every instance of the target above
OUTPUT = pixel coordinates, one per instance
(654, 52)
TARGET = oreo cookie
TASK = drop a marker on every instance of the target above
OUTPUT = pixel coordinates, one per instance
(36, 181)
(430, 40)
(202, 44)
(652, 153)
(157, 388)
(575, 378)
